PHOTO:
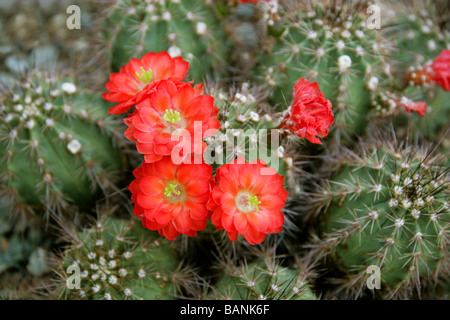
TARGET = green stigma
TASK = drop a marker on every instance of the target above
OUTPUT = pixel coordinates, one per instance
(171, 188)
(146, 76)
(253, 202)
(172, 116)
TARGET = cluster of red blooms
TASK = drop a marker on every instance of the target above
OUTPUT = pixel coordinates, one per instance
(179, 198)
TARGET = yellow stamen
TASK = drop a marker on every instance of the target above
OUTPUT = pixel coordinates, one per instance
(171, 188)
(172, 116)
(253, 202)
(145, 76)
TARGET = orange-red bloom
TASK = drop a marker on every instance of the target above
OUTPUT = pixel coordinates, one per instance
(418, 106)
(172, 198)
(310, 115)
(246, 202)
(441, 70)
(156, 120)
(140, 76)
(437, 71)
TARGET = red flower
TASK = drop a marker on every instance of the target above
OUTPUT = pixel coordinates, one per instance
(156, 119)
(437, 71)
(139, 76)
(310, 114)
(172, 198)
(246, 202)
(441, 70)
(418, 106)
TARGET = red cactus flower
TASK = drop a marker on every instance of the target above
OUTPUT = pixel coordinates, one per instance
(418, 106)
(441, 70)
(155, 121)
(437, 71)
(139, 76)
(310, 115)
(246, 202)
(172, 198)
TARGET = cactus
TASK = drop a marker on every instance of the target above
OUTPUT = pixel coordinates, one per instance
(242, 112)
(386, 205)
(183, 28)
(291, 70)
(57, 146)
(119, 259)
(261, 278)
(330, 45)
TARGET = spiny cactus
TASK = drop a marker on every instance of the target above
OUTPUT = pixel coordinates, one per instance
(189, 29)
(242, 111)
(119, 259)
(57, 145)
(387, 205)
(262, 279)
(330, 45)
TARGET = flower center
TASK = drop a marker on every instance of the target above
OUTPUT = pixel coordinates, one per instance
(145, 76)
(253, 202)
(246, 202)
(172, 116)
(174, 192)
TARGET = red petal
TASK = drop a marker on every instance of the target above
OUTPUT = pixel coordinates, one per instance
(182, 223)
(152, 185)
